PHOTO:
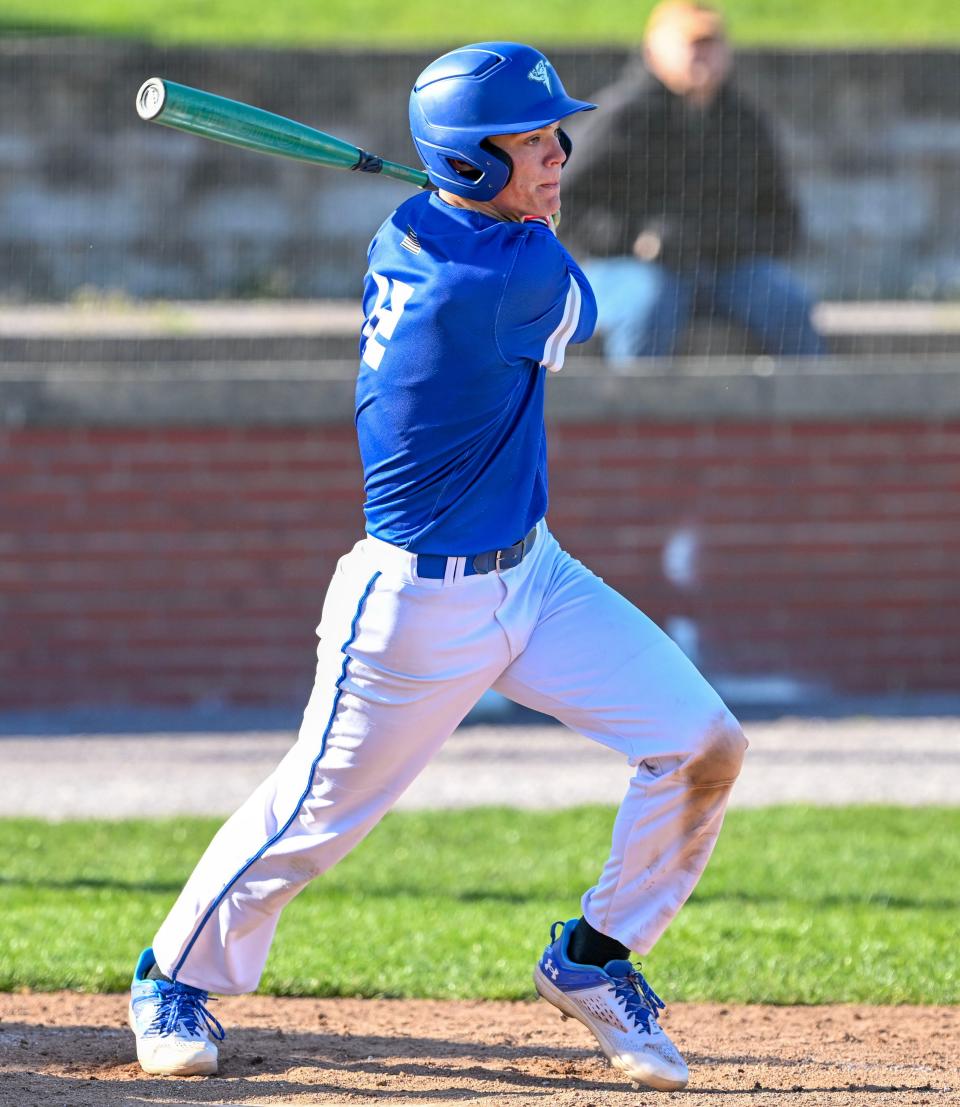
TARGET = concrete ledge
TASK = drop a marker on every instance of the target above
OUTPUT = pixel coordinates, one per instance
(119, 318)
(760, 388)
(153, 333)
(307, 392)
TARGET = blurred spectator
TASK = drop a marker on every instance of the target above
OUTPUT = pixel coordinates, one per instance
(677, 196)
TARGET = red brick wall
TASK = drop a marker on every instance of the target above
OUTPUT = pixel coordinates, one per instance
(825, 552)
(172, 566)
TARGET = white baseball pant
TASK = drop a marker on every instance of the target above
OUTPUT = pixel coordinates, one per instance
(401, 661)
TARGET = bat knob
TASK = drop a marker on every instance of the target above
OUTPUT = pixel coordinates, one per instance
(150, 98)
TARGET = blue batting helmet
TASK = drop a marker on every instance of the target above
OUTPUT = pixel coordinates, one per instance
(464, 97)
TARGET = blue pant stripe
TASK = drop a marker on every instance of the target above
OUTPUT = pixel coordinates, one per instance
(306, 791)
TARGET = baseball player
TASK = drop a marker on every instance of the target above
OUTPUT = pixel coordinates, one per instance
(459, 586)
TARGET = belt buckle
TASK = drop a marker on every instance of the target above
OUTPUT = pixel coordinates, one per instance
(518, 549)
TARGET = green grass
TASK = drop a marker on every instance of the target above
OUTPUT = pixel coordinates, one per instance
(799, 905)
(384, 23)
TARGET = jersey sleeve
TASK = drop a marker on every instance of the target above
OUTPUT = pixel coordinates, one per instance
(547, 302)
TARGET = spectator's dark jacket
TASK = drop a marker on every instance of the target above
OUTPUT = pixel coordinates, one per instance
(709, 183)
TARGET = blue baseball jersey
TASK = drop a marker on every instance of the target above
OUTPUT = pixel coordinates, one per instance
(464, 314)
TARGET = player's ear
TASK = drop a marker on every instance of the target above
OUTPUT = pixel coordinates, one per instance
(465, 169)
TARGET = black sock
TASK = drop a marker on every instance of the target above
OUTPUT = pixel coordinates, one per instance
(589, 947)
(156, 974)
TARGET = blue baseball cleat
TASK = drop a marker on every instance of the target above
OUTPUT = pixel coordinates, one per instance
(618, 1006)
(174, 1029)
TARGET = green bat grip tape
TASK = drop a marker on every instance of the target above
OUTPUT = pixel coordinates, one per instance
(210, 116)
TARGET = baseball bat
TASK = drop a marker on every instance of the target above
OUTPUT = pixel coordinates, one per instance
(210, 116)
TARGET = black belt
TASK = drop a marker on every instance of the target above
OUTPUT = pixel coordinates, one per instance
(434, 566)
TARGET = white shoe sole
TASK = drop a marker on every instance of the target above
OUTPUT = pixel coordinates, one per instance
(203, 1065)
(627, 1065)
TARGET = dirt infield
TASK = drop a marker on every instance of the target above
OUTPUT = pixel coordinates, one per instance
(70, 1049)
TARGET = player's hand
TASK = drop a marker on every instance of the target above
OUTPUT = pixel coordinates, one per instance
(647, 246)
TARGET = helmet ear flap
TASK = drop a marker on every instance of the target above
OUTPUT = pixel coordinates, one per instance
(565, 144)
(500, 155)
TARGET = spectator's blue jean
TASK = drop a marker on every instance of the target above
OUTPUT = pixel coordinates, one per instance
(644, 307)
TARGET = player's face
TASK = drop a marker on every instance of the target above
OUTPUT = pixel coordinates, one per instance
(534, 187)
(687, 65)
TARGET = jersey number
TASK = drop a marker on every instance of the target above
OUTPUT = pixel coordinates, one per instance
(392, 297)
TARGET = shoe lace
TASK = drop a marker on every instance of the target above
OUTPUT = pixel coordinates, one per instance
(185, 1007)
(640, 1001)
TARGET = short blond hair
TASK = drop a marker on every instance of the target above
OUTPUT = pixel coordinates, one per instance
(694, 19)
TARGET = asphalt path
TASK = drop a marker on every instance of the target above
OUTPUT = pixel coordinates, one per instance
(911, 761)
